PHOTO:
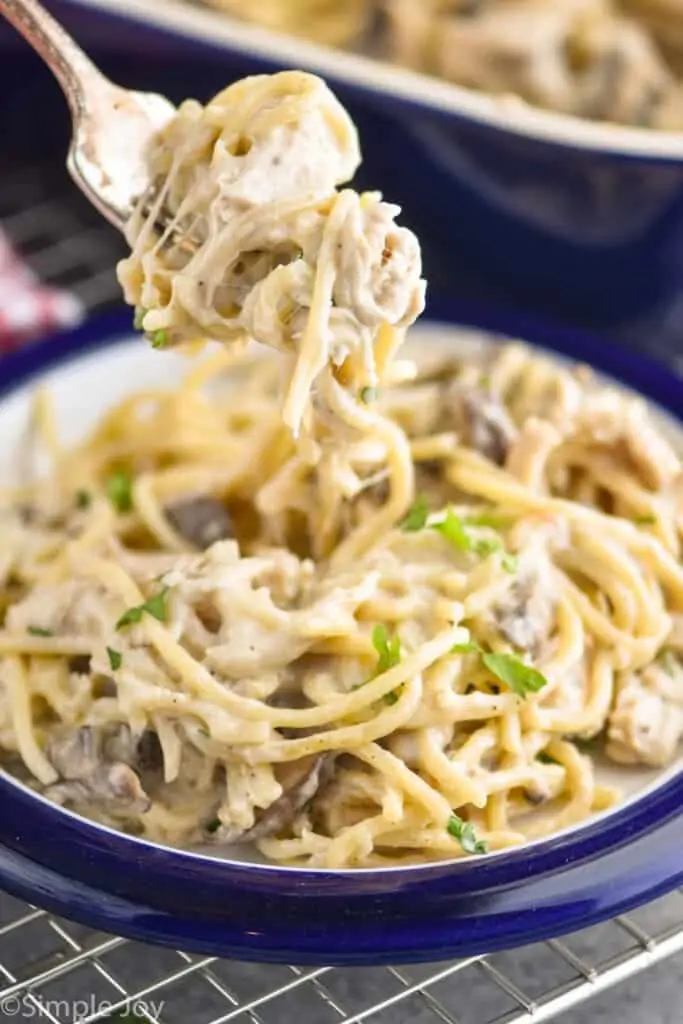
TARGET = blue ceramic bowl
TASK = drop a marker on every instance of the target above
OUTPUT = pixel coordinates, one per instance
(108, 880)
(579, 220)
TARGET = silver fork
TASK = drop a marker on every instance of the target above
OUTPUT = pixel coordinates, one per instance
(111, 125)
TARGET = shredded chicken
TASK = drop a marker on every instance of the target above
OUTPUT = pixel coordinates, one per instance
(646, 725)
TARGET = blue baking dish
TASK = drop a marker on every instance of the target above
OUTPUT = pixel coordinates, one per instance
(578, 220)
(111, 881)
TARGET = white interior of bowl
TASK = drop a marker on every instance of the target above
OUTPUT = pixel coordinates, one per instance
(507, 112)
(83, 388)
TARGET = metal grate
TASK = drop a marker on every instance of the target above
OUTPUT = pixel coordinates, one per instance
(55, 971)
(60, 972)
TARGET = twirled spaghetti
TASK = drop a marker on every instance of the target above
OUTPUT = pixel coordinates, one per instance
(383, 629)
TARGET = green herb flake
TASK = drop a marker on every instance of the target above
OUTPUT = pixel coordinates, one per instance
(645, 520)
(388, 649)
(213, 826)
(510, 563)
(454, 530)
(159, 339)
(546, 758)
(417, 517)
(83, 499)
(494, 520)
(457, 532)
(115, 658)
(469, 648)
(511, 670)
(38, 631)
(393, 696)
(464, 832)
(369, 395)
(486, 546)
(119, 488)
(154, 606)
(138, 317)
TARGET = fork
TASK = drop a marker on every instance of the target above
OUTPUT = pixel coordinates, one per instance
(111, 125)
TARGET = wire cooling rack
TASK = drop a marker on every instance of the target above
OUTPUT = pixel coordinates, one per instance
(55, 971)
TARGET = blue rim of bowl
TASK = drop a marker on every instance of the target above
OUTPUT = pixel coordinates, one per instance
(133, 886)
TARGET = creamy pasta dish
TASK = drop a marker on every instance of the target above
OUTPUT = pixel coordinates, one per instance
(353, 606)
(611, 60)
(596, 59)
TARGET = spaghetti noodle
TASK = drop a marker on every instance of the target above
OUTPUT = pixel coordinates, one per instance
(400, 635)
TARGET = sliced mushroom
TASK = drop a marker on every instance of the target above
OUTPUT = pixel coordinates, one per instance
(481, 420)
(80, 664)
(113, 787)
(201, 520)
(300, 782)
(149, 757)
(95, 768)
(525, 619)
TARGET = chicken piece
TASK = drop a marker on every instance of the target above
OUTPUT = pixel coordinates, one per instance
(378, 263)
(646, 724)
(481, 420)
(73, 607)
(300, 781)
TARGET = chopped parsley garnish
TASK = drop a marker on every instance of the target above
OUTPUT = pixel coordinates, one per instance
(119, 488)
(388, 649)
(115, 658)
(546, 758)
(464, 832)
(83, 499)
(493, 520)
(213, 826)
(454, 530)
(645, 520)
(417, 516)
(159, 338)
(369, 395)
(510, 563)
(520, 678)
(468, 648)
(154, 606)
(393, 696)
(138, 317)
(457, 532)
(38, 631)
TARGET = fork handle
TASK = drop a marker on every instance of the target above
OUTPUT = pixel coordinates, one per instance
(74, 71)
